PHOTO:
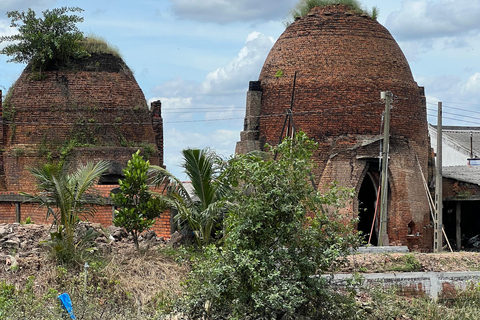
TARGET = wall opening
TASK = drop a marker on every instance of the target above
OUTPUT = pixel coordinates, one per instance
(367, 200)
(461, 221)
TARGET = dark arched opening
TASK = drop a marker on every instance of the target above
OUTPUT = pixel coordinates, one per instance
(367, 197)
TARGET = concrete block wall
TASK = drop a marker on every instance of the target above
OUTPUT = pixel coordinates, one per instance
(436, 285)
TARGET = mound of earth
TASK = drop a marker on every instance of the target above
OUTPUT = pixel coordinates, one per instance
(22, 255)
(405, 262)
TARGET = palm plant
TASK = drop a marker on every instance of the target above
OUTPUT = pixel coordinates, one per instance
(201, 209)
(67, 197)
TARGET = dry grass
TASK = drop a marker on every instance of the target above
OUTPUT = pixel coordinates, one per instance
(96, 44)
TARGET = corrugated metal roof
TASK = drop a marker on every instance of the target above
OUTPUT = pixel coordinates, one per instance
(461, 137)
(470, 174)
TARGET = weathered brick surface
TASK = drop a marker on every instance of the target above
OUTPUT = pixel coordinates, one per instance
(105, 110)
(103, 214)
(99, 105)
(342, 62)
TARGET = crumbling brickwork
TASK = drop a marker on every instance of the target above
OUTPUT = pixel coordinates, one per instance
(340, 61)
(93, 111)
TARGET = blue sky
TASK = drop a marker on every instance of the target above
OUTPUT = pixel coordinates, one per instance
(197, 56)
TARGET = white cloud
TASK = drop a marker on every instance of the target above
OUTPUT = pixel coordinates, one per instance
(6, 30)
(228, 11)
(246, 66)
(221, 95)
(419, 19)
(473, 85)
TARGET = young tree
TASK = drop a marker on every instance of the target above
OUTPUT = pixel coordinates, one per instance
(137, 208)
(39, 41)
(201, 210)
(67, 197)
(280, 238)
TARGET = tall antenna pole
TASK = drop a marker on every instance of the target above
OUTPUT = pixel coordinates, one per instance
(383, 239)
(438, 223)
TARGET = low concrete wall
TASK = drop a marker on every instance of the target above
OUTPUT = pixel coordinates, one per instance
(433, 284)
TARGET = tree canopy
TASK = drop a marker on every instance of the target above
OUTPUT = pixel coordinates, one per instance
(200, 211)
(41, 41)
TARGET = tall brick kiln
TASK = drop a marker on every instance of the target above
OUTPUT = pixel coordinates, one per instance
(340, 61)
(94, 106)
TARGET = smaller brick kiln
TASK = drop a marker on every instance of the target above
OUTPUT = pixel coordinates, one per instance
(93, 110)
(328, 68)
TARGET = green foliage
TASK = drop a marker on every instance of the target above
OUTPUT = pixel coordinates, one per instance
(40, 41)
(148, 149)
(279, 241)
(8, 109)
(67, 197)
(408, 263)
(304, 6)
(387, 304)
(28, 220)
(138, 208)
(200, 211)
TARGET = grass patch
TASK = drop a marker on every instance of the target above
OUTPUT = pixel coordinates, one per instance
(115, 286)
(96, 44)
(407, 263)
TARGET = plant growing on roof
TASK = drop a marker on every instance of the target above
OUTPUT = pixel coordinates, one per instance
(40, 41)
(304, 6)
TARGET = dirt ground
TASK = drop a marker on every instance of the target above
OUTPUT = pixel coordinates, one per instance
(404, 262)
(21, 253)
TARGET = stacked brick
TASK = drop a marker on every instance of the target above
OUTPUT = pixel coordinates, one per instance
(340, 61)
(98, 108)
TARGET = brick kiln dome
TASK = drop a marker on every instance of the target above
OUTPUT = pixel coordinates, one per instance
(342, 61)
(92, 109)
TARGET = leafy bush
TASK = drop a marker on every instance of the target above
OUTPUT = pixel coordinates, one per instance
(281, 236)
(138, 209)
(40, 41)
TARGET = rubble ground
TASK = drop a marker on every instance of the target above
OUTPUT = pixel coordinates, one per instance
(413, 261)
(22, 255)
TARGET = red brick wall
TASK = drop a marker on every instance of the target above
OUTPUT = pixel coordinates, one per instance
(103, 214)
(104, 110)
(101, 107)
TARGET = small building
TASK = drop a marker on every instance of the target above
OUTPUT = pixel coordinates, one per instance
(461, 184)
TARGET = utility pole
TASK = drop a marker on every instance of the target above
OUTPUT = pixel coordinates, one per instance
(438, 223)
(383, 239)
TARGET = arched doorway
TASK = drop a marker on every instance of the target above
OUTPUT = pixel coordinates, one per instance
(367, 200)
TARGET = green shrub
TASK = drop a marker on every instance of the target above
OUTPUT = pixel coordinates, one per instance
(280, 236)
